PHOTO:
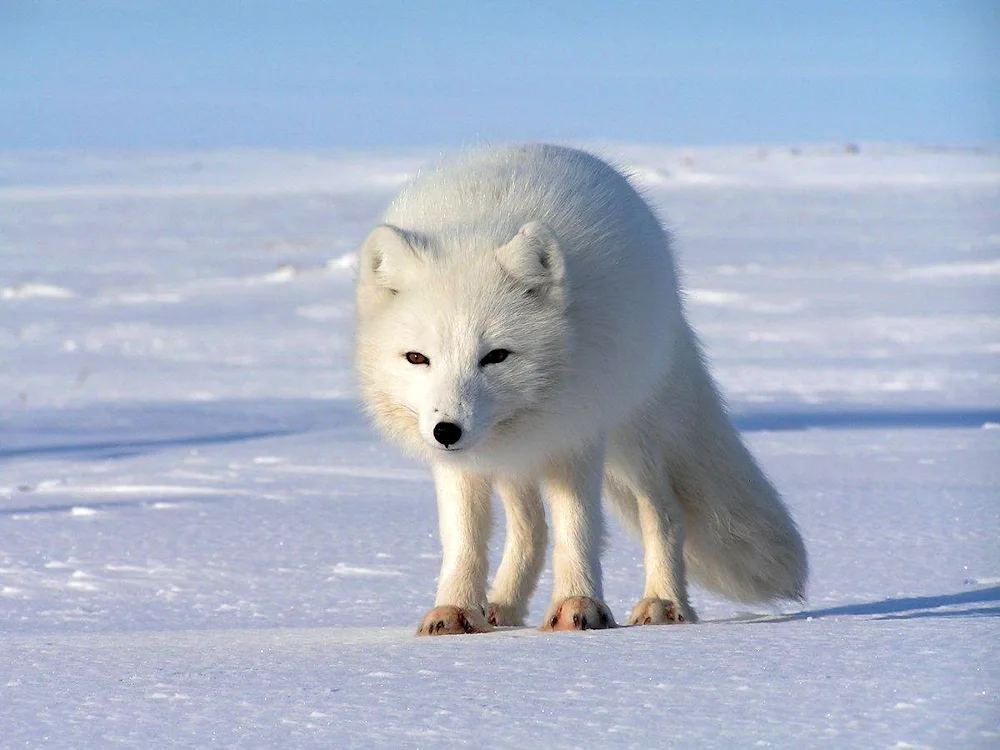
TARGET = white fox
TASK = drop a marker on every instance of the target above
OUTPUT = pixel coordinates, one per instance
(520, 328)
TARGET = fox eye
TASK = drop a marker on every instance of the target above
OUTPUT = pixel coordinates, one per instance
(416, 358)
(495, 357)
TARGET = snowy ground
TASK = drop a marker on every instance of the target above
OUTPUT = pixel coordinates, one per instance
(202, 543)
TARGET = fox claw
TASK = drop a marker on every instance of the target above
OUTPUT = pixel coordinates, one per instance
(653, 611)
(451, 620)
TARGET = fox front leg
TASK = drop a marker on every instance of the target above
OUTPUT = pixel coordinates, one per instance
(464, 521)
(523, 551)
(573, 489)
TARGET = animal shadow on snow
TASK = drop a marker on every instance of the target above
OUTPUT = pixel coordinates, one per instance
(909, 608)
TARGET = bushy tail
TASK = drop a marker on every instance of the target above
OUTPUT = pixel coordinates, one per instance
(739, 539)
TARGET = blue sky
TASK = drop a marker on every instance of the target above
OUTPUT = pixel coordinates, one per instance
(287, 74)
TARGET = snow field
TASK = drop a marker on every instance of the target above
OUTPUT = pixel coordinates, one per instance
(203, 544)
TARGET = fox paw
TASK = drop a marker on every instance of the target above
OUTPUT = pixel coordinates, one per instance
(502, 615)
(451, 620)
(578, 613)
(653, 611)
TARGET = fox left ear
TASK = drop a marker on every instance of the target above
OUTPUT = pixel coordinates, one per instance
(534, 257)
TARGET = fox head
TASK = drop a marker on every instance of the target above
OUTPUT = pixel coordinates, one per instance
(460, 344)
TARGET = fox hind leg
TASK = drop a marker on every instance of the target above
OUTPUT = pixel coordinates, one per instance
(523, 553)
(573, 490)
(660, 519)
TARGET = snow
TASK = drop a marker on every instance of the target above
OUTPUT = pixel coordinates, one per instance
(202, 542)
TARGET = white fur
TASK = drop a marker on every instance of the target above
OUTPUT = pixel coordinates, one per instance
(549, 253)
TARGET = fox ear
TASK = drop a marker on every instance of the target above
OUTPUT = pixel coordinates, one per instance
(387, 256)
(533, 257)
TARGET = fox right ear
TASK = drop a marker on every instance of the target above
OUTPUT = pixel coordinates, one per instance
(386, 258)
(534, 258)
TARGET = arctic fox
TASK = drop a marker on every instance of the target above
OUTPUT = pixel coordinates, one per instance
(521, 329)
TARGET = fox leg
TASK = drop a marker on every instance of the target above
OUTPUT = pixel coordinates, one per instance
(464, 520)
(523, 552)
(661, 521)
(573, 489)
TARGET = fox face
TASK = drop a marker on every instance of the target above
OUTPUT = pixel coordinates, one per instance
(457, 347)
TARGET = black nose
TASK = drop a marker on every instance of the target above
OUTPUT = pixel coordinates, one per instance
(447, 433)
